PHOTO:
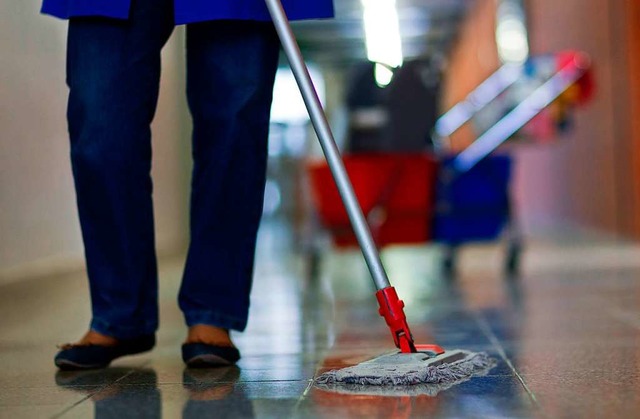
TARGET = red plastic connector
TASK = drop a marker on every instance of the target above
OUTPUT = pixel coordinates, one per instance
(392, 309)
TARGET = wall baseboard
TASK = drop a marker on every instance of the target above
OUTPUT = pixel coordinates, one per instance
(45, 267)
(73, 263)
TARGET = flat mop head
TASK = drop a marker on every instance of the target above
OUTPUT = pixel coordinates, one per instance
(409, 369)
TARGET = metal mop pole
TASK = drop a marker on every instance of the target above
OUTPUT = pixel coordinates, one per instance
(391, 307)
(328, 144)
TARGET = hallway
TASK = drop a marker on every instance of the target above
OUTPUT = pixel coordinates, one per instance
(563, 350)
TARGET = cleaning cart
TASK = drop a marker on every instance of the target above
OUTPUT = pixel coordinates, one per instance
(457, 195)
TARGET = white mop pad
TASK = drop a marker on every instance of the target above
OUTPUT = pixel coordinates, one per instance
(400, 369)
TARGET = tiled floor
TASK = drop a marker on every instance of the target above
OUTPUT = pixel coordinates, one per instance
(566, 336)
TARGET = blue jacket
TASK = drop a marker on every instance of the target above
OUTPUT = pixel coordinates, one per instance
(187, 11)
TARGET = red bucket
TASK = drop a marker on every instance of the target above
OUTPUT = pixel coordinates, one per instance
(395, 191)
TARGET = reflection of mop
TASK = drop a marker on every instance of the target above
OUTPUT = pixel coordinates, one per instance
(414, 364)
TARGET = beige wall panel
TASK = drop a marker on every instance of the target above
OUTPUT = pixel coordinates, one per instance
(38, 220)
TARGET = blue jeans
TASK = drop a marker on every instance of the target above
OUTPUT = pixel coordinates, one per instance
(113, 72)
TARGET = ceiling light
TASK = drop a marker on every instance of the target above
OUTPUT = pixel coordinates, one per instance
(383, 75)
(382, 31)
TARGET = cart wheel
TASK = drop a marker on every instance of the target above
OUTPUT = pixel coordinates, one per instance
(512, 262)
(449, 261)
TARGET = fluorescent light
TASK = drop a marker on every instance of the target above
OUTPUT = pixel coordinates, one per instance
(383, 75)
(511, 35)
(511, 32)
(382, 33)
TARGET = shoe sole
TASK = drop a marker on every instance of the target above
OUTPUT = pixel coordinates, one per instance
(67, 365)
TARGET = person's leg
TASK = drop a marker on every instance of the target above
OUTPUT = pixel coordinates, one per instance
(113, 72)
(231, 68)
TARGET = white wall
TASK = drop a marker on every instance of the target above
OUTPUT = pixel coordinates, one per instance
(39, 231)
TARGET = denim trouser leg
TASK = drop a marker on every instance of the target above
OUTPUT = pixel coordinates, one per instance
(230, 73)
(113, 71)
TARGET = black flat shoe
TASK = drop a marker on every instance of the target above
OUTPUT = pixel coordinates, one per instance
(201, 355)
(86, 357)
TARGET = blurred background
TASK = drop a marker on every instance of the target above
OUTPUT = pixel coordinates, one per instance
(386, 71)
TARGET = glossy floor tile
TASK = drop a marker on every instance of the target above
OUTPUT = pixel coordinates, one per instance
(565, 337)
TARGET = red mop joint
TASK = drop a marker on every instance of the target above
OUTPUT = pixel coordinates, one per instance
(392, 309)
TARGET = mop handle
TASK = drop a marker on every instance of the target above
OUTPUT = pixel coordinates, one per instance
(328, 144)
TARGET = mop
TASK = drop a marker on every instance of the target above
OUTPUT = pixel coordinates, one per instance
(414, 364)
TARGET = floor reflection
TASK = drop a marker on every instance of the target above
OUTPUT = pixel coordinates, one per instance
(212, 393)
(111, 398)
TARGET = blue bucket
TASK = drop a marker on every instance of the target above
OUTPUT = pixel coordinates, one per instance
(474, 205)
